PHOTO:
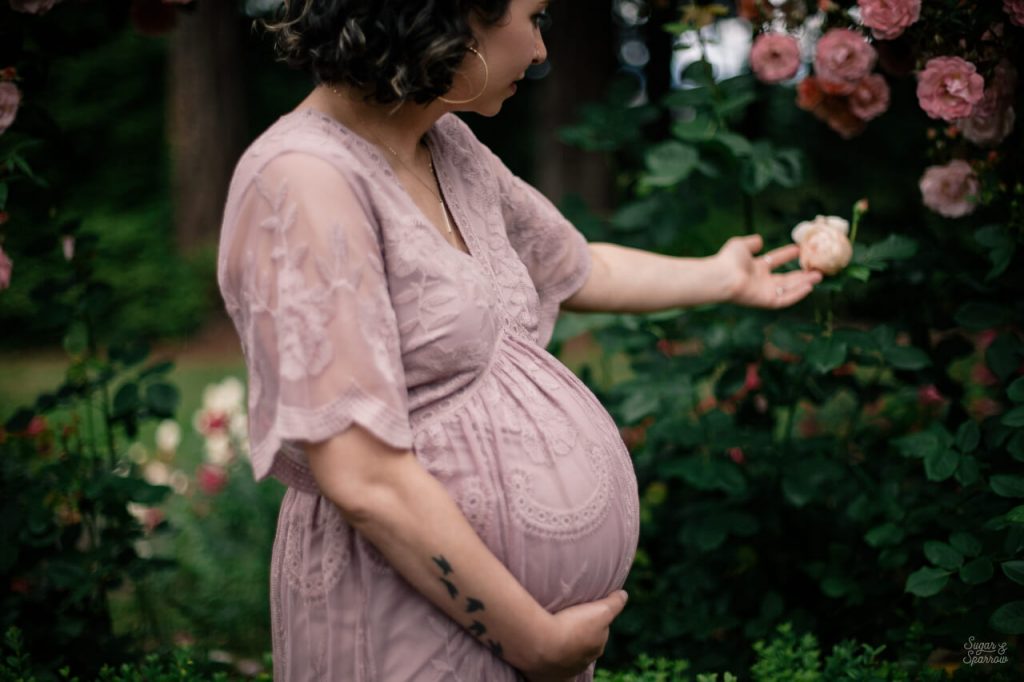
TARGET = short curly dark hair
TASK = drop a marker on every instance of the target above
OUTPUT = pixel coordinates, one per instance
(395, 50)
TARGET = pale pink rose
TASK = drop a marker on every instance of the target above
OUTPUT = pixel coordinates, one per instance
(824, 244)
(1015, 10)
(10, 99)
(825, 250)
(33, 6)
(870, 98)
(887, 19)
(948, 190)
(775, 57)
(949, 87)
(6, 265)
(843, 59)
(991, 121)
(67, 246)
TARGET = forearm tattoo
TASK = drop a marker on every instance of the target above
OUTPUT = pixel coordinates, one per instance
(473, 605)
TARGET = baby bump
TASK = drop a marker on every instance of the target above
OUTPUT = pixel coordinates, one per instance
(539, 470)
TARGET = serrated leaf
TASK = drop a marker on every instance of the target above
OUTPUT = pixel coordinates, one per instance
(965, 543)
(700, 129)
(977, 571)
(1014, 570)
(979, 315)
(918, 445)
(906, 357)
(670, 163)
(825, 354)
(887, 534)
(1014, 417)
(926, 582)
(1009, 618)
(968, 436)
(1007, 485)
(942, 555)
(940, 465)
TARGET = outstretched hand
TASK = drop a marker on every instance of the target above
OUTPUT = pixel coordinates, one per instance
(753, 282)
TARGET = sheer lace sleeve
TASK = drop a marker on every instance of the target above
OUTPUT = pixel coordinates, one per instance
(302, 275)
(554, 251)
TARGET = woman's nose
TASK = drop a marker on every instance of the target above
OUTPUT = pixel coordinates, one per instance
(540, 54)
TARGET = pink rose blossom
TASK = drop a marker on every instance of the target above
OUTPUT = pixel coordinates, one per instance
(949, 87)
(6, 265)
(991, 121)
(887, 19)
(32, 6)
(870, 98)
(211, 478)
(10, 99)
(67, 246)
(824, 244)
(1015, 10)
(775, 57)
(948, 189)
(842, 60)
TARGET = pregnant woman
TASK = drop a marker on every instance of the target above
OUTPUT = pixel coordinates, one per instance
(459, 505)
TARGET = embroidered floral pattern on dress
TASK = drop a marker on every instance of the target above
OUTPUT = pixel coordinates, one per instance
(352, 308)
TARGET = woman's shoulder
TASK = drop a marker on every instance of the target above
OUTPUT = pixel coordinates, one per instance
(304, 133)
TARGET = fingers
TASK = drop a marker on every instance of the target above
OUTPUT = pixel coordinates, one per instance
(783, 254)
(754, 242)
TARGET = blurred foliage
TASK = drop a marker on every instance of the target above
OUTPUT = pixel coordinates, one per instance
(851, 465)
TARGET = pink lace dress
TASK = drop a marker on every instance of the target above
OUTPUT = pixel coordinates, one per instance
(352, 308)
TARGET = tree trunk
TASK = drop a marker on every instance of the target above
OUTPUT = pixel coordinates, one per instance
(581, 52)
(206, 118)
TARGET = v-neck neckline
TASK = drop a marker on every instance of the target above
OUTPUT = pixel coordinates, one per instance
(438, 161)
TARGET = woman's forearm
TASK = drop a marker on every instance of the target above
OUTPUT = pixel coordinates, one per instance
(628, 280)
(388, 497)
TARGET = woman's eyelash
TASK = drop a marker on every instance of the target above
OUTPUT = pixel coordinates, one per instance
(542, 20)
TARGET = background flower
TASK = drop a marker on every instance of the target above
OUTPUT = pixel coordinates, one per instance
(775, 57)
(887, 19)
(1015, 10)
(949, 87)
(870, 98)
(948, 189)
(842, 60)
(10, 99)
(6, 265)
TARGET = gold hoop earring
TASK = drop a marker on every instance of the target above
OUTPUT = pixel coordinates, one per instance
(487, 75)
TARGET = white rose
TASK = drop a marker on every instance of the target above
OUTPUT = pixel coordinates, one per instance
(168, 436)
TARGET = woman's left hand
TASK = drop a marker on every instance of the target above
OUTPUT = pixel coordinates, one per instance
(753, 282)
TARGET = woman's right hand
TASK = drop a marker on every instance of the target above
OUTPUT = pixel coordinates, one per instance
(575, 638)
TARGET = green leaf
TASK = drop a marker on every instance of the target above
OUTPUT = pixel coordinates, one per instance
(1009, 618)
(1007, 485)
(825, 354)
(942, 555)
(968, 436)
(1014, 417)
(1015, 446)
(1016, 515)
(926, 582)
(162, 399)
(979, 315)
(893, 247)
(977, 571)
(965, 543)
(858, 272)
(918, 445)
(736, 144)
(906, 357)
(1003, 355)
(940, 465)
(1014, 570)
(3, 195)
(670, 163)
(76, 341)
(126, 400)
(1016, 390)
(638, 405)
(887, 534)
(968, 472)
(701, 129)
(1001, 247)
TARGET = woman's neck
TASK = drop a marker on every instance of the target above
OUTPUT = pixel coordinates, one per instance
(400, 130)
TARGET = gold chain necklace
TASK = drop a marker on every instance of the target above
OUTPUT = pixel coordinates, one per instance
(430, 160)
